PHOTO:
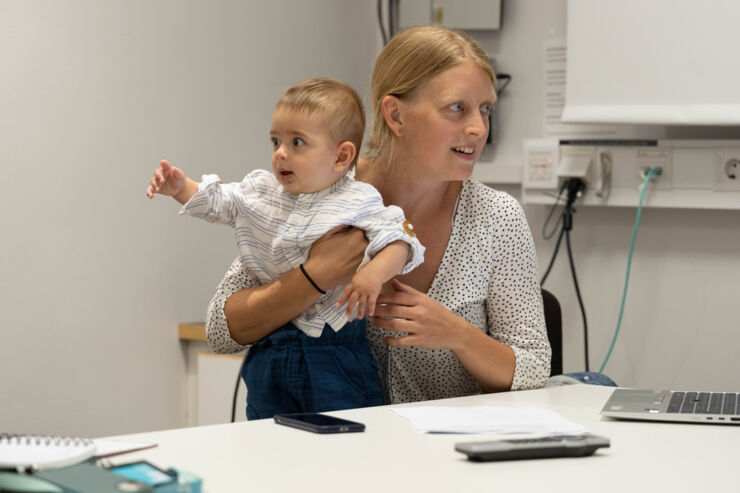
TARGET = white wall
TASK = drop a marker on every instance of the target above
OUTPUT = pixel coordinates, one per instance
(95, 277)
(682, 315)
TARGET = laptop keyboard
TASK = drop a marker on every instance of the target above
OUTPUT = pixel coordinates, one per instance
(704, 403)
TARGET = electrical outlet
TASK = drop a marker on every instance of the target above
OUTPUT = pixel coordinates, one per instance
(655, 158)
(727, 170)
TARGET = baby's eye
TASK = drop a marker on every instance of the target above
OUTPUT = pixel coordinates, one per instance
(275, 142)
(486, 108)
(456, 107)
(297, 141)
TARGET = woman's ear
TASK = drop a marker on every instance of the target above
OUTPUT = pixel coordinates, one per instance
(391, 108)
(346, 152)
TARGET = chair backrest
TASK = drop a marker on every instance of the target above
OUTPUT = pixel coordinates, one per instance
(554, 324)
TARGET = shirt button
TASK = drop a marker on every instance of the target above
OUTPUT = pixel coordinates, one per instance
(303, 203)
(291, 230)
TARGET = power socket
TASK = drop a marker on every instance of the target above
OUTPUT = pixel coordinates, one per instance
(727, 170)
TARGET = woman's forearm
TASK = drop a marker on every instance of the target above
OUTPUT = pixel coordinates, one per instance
(253, 313)
(489, 362)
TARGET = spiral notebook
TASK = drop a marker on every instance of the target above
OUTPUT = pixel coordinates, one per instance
(43, 452)
(19, 451)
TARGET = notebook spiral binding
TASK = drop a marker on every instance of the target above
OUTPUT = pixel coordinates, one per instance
(28, 439)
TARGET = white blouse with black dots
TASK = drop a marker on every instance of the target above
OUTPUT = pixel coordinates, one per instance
(488, 276)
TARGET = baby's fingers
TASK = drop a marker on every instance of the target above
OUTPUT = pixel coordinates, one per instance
(351, 302)
(343, 297)
(371, 305)
(361, 305)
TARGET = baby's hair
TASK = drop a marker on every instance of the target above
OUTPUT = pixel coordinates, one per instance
(337, 101)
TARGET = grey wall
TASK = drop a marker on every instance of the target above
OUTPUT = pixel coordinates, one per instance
(95, 277)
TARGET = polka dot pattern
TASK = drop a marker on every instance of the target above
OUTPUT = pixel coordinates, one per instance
(489, 277)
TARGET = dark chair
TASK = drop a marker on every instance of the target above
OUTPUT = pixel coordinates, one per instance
(554, 324)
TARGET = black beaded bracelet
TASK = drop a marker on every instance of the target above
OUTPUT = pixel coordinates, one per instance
(311, 281)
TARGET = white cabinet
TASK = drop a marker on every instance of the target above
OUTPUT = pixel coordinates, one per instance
(455, 14)
(216, 378)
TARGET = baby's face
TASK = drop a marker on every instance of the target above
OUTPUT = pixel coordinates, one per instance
(303, 151)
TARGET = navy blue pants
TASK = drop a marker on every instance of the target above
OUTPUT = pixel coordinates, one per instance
(290, 372)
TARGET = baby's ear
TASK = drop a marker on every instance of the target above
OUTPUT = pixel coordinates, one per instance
(346, 152)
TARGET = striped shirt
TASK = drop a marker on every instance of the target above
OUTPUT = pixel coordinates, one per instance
(275, 229)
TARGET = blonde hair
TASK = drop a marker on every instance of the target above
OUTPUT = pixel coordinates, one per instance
(337, 101)
(408, 61)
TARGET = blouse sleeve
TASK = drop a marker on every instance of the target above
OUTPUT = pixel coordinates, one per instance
(384, 225)
(514, 304)
(219, 338)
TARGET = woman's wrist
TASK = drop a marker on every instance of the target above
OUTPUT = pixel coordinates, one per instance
(310, 280)
(463, 336)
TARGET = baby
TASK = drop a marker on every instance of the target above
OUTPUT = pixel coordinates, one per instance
(316, 134)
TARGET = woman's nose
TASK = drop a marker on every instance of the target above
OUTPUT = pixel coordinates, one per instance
(477, 124)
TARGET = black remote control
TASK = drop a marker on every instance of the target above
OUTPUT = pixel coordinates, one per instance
(533, 448)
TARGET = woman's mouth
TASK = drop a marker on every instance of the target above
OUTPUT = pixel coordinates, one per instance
(464, 152)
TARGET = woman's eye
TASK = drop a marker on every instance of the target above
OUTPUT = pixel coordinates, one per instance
(275, 142)
(456, 107)
(297, 141)
(486, 108)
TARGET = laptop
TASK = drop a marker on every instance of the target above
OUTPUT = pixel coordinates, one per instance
(666, 405)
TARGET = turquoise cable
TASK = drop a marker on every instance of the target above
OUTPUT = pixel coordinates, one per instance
(650, 174)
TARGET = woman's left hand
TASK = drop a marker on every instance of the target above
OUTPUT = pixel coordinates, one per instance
(428, 324)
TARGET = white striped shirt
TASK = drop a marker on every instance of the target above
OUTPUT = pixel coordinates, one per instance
(275, 229)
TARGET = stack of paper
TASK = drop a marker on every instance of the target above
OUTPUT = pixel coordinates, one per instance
(486, 419)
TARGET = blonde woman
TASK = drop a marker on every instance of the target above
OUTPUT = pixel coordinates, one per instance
(469, 319)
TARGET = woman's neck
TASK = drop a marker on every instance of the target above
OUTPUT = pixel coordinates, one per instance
(417, 195)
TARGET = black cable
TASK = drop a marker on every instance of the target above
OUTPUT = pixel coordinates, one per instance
(392, 18)
(575, 187)
(380, 22)
(578, 294)
(554, 255)
(506, 78)
(236, 389)
(552, 210)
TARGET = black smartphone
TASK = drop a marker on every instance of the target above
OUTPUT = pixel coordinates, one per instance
(319, 423)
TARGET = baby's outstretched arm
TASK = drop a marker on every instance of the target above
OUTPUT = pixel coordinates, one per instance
(168, 180)
(365, 286)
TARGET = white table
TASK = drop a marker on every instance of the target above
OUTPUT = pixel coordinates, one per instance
(261, 456)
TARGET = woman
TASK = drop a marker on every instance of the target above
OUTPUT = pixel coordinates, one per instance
(469, 319)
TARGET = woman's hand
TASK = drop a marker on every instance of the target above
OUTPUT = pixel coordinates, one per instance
(335, 257)
(428, 324)
(431, 326)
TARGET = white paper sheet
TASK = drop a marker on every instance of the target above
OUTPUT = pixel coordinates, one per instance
(487, 419)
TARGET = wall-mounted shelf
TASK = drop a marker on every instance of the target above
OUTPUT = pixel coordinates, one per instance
(192, 331)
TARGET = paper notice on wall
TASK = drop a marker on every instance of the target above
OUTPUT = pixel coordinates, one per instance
(555, 77)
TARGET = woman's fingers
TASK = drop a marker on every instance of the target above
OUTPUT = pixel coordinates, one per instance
(393, 311)
(402, 341)
(393, 324)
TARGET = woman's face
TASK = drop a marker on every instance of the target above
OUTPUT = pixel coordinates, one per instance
(445, 122)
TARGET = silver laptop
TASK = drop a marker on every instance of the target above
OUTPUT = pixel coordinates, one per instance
(666, 405)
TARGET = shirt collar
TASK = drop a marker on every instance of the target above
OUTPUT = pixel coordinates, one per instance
(316, 196)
